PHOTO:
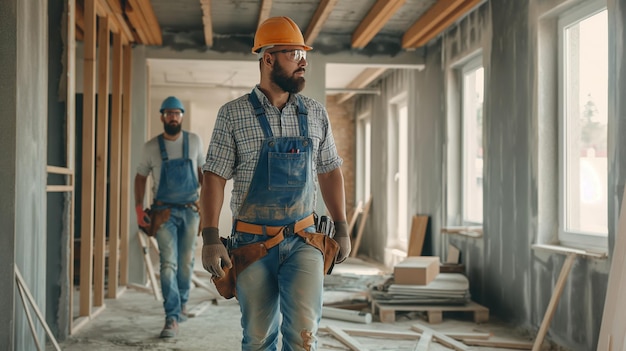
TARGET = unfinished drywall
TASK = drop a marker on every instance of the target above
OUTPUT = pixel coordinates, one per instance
(506, 274)
(31, 73)
(8, 173)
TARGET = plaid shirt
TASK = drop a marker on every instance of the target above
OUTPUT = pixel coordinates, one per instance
(237, 140)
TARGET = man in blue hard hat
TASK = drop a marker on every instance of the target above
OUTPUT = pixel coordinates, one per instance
(173, 158)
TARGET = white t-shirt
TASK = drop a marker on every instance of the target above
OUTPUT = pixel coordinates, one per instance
(151, 156)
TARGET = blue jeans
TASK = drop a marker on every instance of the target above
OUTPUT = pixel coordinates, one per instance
(289, 280)
(177, 243)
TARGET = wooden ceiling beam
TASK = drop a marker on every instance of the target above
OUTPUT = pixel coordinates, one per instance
(207, 22)
(374, 21)
(140, 21)
(435, 20)
(319, 18)
(117, 14)
(135, 22)
(361, 81)
(141, 16)
(453, 17)
(264, 13)
(153, 24)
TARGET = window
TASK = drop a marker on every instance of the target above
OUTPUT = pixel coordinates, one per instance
(364, 158)
(397, 195)
(472, 97)
(583, 99)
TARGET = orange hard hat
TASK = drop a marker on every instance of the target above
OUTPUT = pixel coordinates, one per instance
(278, 31)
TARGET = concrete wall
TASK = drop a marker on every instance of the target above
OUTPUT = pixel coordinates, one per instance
(8, 142)
(506, 274)
(23, 94)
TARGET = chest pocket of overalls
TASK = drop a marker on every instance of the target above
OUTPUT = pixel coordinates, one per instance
(287, 171)
(177, 175)
(288, 163)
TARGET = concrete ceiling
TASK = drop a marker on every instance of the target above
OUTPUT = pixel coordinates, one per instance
(370, 28)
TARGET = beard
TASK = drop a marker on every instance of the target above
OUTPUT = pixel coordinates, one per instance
(172, 129)
(286, 82)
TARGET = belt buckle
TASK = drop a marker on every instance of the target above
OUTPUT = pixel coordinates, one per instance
(288, 230)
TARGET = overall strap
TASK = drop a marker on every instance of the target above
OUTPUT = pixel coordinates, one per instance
(185, 145)
(260, 114)
(302, 117)
(162, 147)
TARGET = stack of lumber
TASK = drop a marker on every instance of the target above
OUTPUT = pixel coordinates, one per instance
(446, 288)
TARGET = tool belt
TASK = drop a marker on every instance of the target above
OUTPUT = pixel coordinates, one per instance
(159, 213)
(244, 256)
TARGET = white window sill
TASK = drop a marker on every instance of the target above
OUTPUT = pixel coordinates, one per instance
(469, 231)
(567, 250)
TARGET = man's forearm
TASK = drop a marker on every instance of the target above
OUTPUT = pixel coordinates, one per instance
(333, 193)
(211, 199)
(140, 189)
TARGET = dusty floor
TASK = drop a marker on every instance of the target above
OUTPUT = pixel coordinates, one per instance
(133, 322)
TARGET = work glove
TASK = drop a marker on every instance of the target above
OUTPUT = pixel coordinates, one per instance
(343, 239)
(143, 220)
(214, 254)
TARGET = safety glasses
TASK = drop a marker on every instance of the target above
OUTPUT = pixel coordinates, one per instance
(294, 55)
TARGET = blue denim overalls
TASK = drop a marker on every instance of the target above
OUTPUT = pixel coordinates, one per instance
(178, 188)
(289, 279)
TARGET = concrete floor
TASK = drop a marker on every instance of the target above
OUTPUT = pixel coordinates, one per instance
(134, 321)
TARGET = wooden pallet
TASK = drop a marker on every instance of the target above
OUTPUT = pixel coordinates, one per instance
(387, 312)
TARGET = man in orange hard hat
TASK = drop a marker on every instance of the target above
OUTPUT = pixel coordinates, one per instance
(277, 146)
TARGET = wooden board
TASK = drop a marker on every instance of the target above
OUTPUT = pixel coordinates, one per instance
(387, 313)
(346, 339)
(554, 300)
(424, 343)
(453, 255)
(441, 338)
(516, 345)
(418, 233)
(359, 234)
(199, 308)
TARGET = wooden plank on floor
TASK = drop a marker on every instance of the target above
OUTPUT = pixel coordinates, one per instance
(516, 345)
(442, 338)
(199, 308)
(148, 262)
(372, 333)
(424, 343)
(345, 339)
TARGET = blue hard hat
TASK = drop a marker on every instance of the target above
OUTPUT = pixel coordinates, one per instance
(172, 103)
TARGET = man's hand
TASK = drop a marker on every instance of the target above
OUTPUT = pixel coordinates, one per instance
(343, 239)
(143, 220)
(214, 254)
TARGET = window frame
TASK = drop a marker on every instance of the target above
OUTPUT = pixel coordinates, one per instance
(471, 65)
(364, 156)
(571, 238)
(396, 239)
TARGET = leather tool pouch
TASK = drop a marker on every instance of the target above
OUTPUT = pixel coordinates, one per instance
(326, 245)
(157, 217)
(244, 256)
(241, 258)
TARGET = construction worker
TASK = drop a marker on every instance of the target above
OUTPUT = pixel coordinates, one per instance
(174, 159)
(276, 145)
